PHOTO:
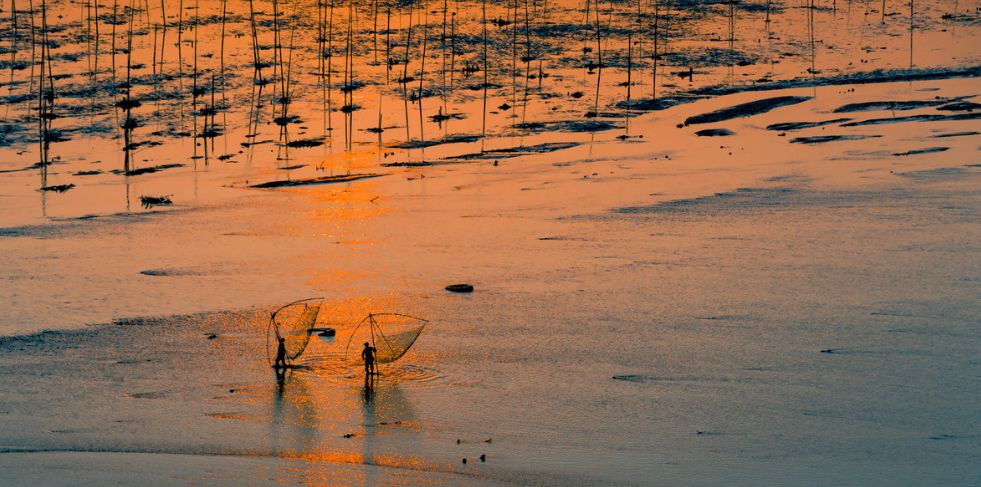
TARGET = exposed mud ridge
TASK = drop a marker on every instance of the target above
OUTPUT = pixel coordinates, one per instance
(748, 109)
(287, 183)
(820, 139)
(791, 126)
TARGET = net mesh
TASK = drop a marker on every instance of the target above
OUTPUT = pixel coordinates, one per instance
(391, 347)
(391, 334)
(293, 323)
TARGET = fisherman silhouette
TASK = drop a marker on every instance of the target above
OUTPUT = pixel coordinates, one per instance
(281, 355)
(368, 354)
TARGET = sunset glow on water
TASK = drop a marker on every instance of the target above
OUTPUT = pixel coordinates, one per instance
(592, 243)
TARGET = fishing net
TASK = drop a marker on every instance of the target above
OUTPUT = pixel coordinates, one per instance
(391, 334)
(292, 322)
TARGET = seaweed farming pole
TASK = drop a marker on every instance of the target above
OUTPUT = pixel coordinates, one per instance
(348, 108)
(514, 62)
(654, 55)
(911, 2)
(599, 57)
(113, 44)
(452, 50)
(442, 49)
(42, 98)
(527, 60)
(388, 44)
(374, 31)
(221, 47)
(405, 77)
(544, 19)
(330, 62)
(257, 65)
(483, 124)
(128, 122)
(422, 70)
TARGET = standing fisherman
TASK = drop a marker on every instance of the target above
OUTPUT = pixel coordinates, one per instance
(280, 363)
(368, 355)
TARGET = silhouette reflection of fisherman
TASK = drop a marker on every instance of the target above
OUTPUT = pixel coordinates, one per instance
(369, 390)
(280, 364)
(280, 383)
(368, 355)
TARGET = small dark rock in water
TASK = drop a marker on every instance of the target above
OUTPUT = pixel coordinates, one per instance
(58, 188)
(488, 440)
(211, 336)
(483, 458)
(460, 288)
(349, 435)
(714, 133)
(464, 461)
(828, 350)
(149, 201)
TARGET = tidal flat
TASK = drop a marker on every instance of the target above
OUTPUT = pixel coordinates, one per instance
(792, 301)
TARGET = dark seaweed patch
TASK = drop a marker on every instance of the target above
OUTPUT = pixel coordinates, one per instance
(955, 134)
(871, 106)
(569, 126)
(304, 143)
(741, 198)
(820, 139)
(790, 126)
(311, 181)
(746, 109)
(915, 118)
(146, 170)
(714, 133)
(420, 144)
(928, 150)
(960, 106)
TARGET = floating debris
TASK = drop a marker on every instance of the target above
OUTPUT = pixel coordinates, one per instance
(150, 201)
(58, 188)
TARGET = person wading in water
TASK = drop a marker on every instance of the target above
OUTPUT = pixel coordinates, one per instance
(368, 354)
(280, 363)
